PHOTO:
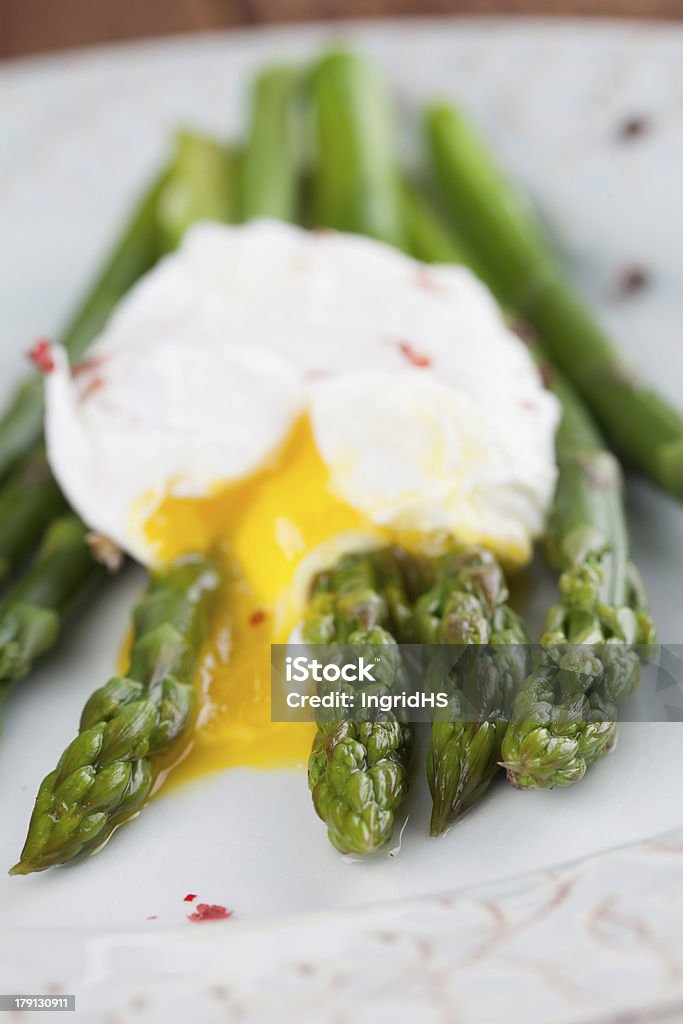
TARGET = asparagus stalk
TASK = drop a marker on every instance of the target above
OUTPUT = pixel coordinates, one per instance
(564, 717)
(31, 616)
(108, 771)
(201, 185)
(272, 157)
(520, 268)
(29, 499)
(358, 770)
(467, 606)
(356, 184)
(135, 252)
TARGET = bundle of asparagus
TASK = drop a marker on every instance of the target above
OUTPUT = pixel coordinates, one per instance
(359, 771)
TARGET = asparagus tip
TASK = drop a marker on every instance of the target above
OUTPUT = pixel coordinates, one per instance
(441, 813)
(12, 664)
(21, 868)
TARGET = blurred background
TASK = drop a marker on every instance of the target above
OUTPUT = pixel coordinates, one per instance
(36, 26)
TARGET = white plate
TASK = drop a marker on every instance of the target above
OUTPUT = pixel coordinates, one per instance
(80, 132)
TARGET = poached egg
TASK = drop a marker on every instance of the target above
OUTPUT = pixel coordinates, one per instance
(285, 397)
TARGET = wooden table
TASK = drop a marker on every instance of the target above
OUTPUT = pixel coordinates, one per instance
(34, 26)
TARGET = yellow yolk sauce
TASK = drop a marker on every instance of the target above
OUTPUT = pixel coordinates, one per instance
(267, 531)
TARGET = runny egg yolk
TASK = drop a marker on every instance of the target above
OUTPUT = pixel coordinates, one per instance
(268, 531)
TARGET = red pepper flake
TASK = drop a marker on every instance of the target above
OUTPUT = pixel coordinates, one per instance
(257, 617)
(152, 917)
(321, 230)
(416, 358)
(632, 278)
(634, 128)
(210, 912)
(41, 356)
(190, 898)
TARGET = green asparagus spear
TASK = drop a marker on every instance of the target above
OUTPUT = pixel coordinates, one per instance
(31, 616)
(108, 771)
(466, 736)
(201, 185)
(358, 770)
(564, 717)
(356, 184)
(29, 499)
(466, 606)
(272, 157)
(500, 231)
(135, 252)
